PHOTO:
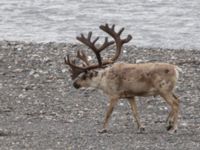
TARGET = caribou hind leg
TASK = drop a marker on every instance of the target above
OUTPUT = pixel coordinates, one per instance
(172, 119)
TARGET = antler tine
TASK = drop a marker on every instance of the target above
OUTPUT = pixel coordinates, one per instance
(120, 31)
(113, 26)
(116, 36)
(81, 55)
(127, 39)
(105, 44)
(97, 38)
(75, 70)
(111, 32)
(89, 36)
(87, 41)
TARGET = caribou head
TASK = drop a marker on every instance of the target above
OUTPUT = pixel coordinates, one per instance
(87, 74)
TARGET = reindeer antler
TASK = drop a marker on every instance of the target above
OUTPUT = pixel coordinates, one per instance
(81, 55)
(116, 36)
(87, 41)
(76, 70)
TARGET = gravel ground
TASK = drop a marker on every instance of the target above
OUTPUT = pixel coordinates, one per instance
(39, 109)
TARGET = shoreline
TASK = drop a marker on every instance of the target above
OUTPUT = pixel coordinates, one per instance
(15, 42)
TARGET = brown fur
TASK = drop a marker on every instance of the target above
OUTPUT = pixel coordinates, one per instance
(123, 80)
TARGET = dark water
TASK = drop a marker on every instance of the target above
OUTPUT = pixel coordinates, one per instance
(153, 23)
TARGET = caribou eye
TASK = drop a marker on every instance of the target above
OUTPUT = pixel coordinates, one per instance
(95, 73)
(83, 77)
(91, 75)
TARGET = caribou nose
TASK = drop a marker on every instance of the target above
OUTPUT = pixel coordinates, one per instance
(77, 86)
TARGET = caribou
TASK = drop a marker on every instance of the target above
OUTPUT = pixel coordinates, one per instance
(123, 80)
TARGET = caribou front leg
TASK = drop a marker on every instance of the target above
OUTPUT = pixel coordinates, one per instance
(113, 102)
(135, 113)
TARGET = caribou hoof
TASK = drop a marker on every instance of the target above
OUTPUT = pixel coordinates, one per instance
(141, 129)
(103, 131)
(169, 127)
(172, 131)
